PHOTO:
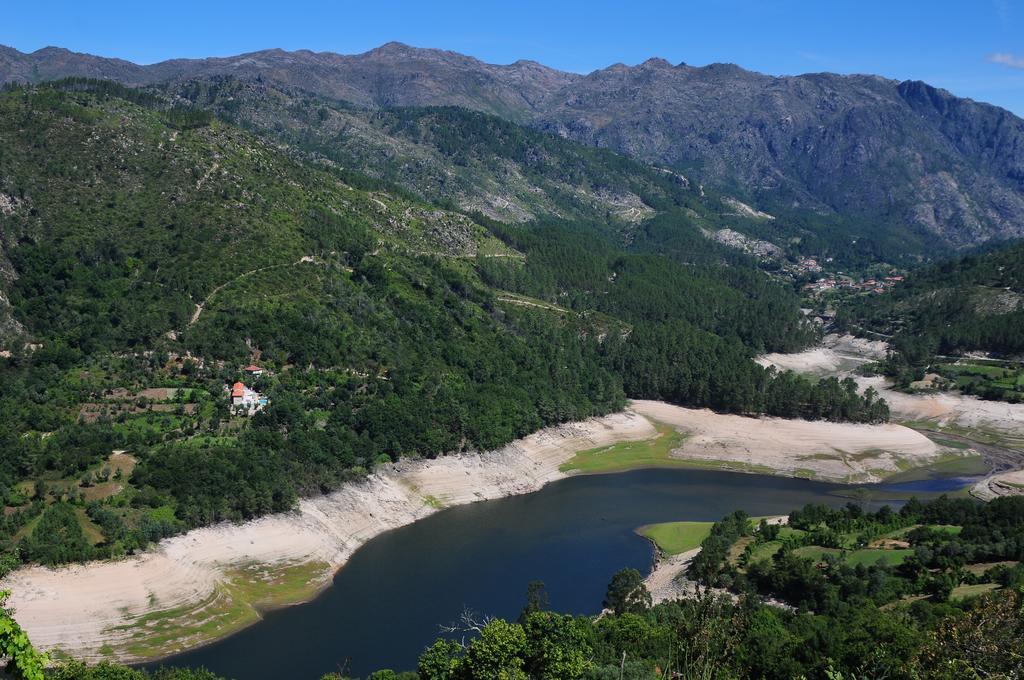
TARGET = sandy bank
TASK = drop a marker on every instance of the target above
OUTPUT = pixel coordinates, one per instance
(181, 593)
(840, 355)
(951, 409)
(841, 452)
(835, 355)
(1003, 484)
(204, 584)
(667, 581)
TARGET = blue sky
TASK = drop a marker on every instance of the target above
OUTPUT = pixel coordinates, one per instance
(975, 48)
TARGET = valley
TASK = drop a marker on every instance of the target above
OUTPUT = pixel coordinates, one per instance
(306, 357)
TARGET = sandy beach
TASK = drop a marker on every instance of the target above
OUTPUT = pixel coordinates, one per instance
(199, 586)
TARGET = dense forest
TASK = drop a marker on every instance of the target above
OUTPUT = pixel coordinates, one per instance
(151, 249)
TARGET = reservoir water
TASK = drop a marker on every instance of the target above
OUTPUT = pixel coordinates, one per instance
(388, 602)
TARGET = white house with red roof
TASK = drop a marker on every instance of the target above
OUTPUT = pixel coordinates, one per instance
(245, 399)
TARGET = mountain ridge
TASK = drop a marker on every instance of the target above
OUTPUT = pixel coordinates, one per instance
(903, 154)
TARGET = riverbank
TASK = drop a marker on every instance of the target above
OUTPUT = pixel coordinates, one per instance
(979, 423)
(668, 579)
(1002, 484)
(836, 452)
(836, 355)
(208, 583)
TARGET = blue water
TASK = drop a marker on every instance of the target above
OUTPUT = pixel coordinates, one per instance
(388, 602)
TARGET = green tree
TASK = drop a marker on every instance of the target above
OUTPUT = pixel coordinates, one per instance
(557, 646)
(627, 593)
(498, 654)
(984, 643)
(23, 661)
(441, 660)
(536, 599)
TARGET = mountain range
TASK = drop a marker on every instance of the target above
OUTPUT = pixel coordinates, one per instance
(853, 150)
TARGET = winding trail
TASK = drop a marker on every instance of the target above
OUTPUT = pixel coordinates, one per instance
(200, 306)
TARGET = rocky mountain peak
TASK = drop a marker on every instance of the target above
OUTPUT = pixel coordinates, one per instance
(861, 147)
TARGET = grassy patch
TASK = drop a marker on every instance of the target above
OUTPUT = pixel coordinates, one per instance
(93, 534)
(164, 513)
(981, 567)
(233, 605)
(786, 531)
(630, 455)
(815, 552)
(950, 529)
(947, 466)
(965, 592)
(1001, 381)
(864, 556)
(738, 548)
(26, 530)
(870, 556)
(433, 501)
(765, 551)
(673, 538)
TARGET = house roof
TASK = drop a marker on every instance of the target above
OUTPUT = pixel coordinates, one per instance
(238, 390)
(252, 368)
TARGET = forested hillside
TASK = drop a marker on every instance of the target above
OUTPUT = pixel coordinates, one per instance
(949, 309)
(151, 250)
(958, 305)
(484, 164)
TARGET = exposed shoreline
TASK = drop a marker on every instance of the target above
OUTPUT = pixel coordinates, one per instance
(204, 585)
(188, 586)
(994, 428)
(668, 581)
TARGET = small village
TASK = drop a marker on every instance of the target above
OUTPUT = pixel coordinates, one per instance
(873, 286)
(796, 268)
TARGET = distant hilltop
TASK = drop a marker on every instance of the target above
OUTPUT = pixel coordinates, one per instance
(862, 147)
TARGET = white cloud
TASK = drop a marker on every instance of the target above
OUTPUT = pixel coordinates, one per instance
(1007, 59)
